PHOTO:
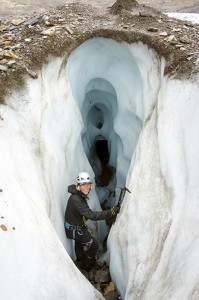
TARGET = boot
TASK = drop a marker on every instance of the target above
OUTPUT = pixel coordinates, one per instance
(80, 259)
(88, 263)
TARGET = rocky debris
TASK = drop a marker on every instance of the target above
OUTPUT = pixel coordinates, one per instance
(153, 29)
(101, 280)
(164, 33)
(51, 31)
(170, 38)
(145, 13)
(186, 40)
(17, 21)
(102, 276)
(3, 68)
(8, 54)
(26, 43)
(68, 30)
(109, 288)
(32, 21)
(112, 296)
(3, 27)
(3, 227)
(30, 72)
(128, 5)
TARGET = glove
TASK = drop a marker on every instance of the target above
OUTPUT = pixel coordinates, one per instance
(115, 210)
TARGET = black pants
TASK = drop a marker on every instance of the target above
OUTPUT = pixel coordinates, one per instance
(86, 245)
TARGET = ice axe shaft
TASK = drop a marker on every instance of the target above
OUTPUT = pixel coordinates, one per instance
(122, 195)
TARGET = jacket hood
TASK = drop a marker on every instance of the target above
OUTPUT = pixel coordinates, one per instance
(72, 190)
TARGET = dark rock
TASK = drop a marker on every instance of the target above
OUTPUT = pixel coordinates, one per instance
(12, 27)
(185, 40)
(189, 24)
(152, 29)
(123, 4)
(173, 43)
(145, 14)
(32, 21)
(102, 276)
(111, 296)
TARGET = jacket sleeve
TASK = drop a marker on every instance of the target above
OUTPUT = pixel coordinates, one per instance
(85, 210)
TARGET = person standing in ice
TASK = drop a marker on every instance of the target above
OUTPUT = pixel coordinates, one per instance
(77, 213)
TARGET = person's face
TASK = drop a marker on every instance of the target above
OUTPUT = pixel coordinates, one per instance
(85, 188)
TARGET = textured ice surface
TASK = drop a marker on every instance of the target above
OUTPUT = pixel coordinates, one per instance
(47, 132)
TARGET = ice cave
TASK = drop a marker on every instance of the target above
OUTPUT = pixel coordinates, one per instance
(108, 97)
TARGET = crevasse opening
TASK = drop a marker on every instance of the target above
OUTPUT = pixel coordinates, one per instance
(109, 87)
(102, 98)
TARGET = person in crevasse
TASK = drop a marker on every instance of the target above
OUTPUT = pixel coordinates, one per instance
(77, 213)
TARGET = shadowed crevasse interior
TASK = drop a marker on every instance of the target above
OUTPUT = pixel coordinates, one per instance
(107, 84)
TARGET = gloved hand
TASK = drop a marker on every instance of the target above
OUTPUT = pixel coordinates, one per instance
(115, 210)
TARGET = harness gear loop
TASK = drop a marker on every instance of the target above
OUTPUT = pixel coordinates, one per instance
(72, 227)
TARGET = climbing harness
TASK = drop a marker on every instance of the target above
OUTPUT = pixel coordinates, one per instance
(74, 228)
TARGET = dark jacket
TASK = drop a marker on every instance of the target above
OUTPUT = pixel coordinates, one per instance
(77, 207)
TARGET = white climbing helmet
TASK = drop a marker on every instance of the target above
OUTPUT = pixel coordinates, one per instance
(83, 178)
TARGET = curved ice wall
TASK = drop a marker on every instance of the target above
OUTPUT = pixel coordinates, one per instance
(113, 79)
(46, 131)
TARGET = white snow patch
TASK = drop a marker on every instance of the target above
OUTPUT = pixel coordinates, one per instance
(192, 17)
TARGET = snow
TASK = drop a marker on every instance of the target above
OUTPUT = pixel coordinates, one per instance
(106, 91)
(192, 17)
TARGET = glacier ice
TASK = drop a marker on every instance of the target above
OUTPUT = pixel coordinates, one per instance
(116, 93)
(114, 81)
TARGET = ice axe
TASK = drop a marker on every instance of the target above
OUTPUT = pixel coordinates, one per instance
(123, 191)
(122, 195)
